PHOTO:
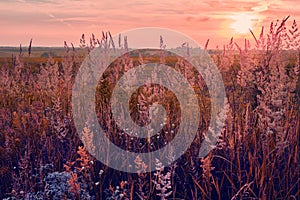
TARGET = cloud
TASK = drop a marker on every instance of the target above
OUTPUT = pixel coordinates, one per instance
(32, 1)
(198, 19)
(206, 18)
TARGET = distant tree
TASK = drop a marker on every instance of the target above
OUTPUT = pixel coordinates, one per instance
(48, 54)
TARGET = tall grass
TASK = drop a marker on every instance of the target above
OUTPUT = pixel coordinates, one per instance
(256, 158)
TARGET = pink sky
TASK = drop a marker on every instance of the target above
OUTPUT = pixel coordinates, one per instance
(51, 22)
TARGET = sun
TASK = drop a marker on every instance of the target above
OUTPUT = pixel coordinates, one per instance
(242, 23)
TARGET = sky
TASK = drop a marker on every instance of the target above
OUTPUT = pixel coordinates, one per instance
(50, 22)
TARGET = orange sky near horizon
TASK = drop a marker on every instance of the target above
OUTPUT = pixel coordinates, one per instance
(50, 22)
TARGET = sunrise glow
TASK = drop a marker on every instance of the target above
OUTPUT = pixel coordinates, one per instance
(242, 23)
(50, 22)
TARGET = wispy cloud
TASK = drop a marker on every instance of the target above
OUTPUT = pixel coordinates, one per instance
(199, 19)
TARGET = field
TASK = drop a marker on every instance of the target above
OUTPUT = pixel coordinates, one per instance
(256, 156)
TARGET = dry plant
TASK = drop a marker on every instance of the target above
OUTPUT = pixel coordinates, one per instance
(256, 157)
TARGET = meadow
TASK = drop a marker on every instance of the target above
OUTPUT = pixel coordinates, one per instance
(257, 156)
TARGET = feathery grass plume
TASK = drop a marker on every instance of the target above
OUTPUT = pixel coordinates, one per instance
(120, 41)
(227, 139)
(265, 70)
(74, 185)
(84, 160)
(82, 41)
(188, 49)
(126, 44)
(24, 182)
(273, 83)
(257, 159)
(87, 139)
(143, 185)
(172, 166)
(162, 53)
(207, 177)
(29, 48)
(206, 167)
(66, 47)
(73, 48)
(111, 41)
(225, 59)
(5, 79)
(93, 40)
(162, 45)
(21, 51)
(81, 169)
(253, 35)
(162, 181)
(91, 47)
(99, 43)
(58, 120)
(206, 45)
